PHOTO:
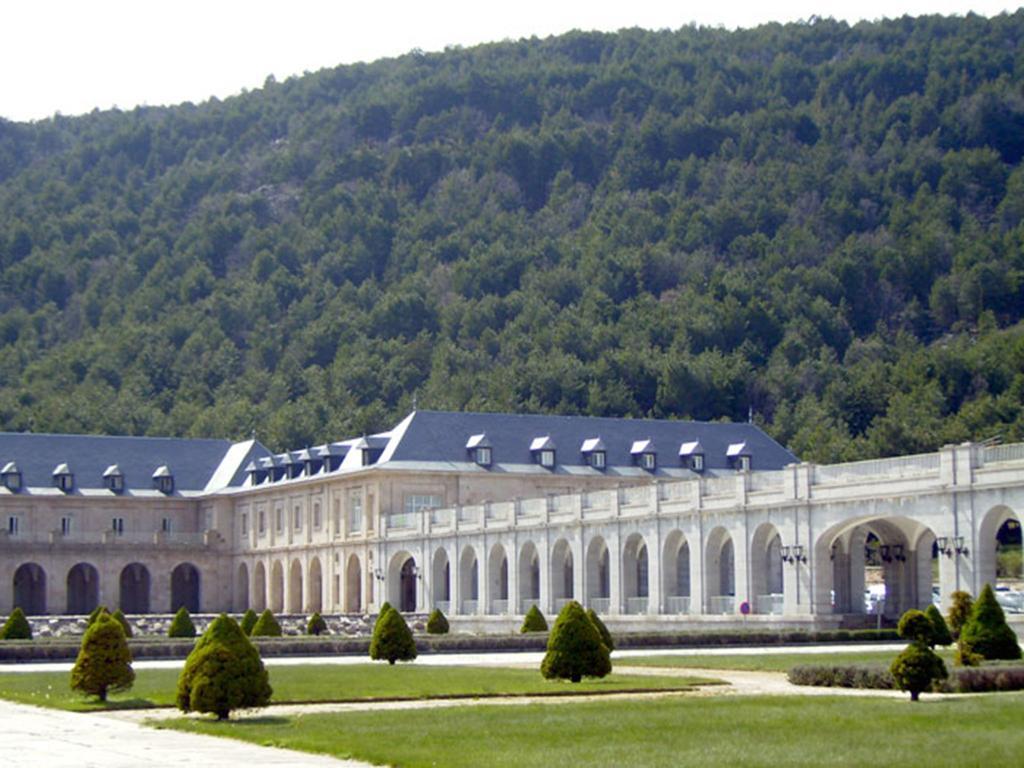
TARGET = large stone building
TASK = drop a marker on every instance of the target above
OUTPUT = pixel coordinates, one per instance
(649, 522)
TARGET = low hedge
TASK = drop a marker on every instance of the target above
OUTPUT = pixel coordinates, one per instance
(992, 677)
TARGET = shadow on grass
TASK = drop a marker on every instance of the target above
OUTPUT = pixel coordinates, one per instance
(106, 706)
(261, 720)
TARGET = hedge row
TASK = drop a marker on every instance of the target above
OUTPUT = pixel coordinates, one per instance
(168, 648)
(961, 679)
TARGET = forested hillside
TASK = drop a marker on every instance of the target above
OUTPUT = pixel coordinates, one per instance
(818, 224)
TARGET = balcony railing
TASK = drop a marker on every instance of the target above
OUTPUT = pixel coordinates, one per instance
(771, 604)
(469, 607)
(444, 606)
(677, 604)
(560, 603)
(499, 607)
(636, 605)
(722, 604)
(600, 604)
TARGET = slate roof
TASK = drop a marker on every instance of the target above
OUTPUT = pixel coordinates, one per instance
(192, 462)
(432, 436)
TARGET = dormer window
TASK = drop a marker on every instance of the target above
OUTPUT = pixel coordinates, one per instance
(691, 455)
(479, 447)
(113, 479)
(256, 475)
(11, 477)
(63, 478)
(644, 454)
(738, 456)
(163, 480)
(595, 453)
(543, 450)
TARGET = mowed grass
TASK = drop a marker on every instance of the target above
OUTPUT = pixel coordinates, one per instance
(353, 682)
(781, 662)
(981, 730)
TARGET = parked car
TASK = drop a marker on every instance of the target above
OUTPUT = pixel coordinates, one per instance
(1011, 600)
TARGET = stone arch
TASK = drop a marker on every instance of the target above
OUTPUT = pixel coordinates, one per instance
(134, 588)
(259, 587)
(30, 589)
(401, 584)
(241, 602)
(999, 521)
(353, 585)
(294, 601)
(598, 575)
(441, 580)
(766, 585)
(529, 577)
(720, 572)
(315, 588)
(497, 579)
(276, 601)
(675, 572)
(469, 580)
(562, 581)
(185, 588)
(635, 574)
(83, 585)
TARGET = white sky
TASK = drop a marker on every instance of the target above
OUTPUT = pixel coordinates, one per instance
(70, 56)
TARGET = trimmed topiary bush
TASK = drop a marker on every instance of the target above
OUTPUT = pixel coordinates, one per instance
(181, 624)
(986, 633)
(316, 625)
(95, 614)
(534, 621)
(392, 639)
(16, 627)
(224, 672)
(960, 610)
(120, 619)
(940, 631)
(266, 626)
(104, 662)
(575, 649)
(437, 624)
(917, 668)
(606, 636)
(915, 627)
(383, 609)
(248, 621)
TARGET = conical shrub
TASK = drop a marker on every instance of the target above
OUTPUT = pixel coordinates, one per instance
(392, 639)
(383, 609)
(534, 621)
(16, 627)
(575, 649)
(316, 625)
(437, 623)
(181, 624)
(986, 633)
(223, 672)
(249, 619)
(119, 617)
(940, 631)
(606, 636)
(95, 614)
(104, 662)
(266, 626)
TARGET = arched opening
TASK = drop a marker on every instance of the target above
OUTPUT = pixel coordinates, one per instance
(315, 597)
(241, 602)
(529, 577)
(30, 589)
(999, 557)
(469, 581)
(83, 589)
(134, 585)
(675, 565)
(497, 585)
(766, 569)
(259, 588)
(407, 586)
(720, 572)
(277, 587)
(598, 575)
(294, 603)
(441, 580)
(562, 590)
(634, 574)
(353, 585)
(185, 588)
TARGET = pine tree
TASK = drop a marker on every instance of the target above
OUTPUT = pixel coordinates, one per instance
(986, 633)
(223, 672)
(534, 621)
(266, 626)
(437, 623)
(104, 662)
(181, 624)
(575, 649)
(392, 639)
(16, 627)
(940, 631)
(248, 621)
(316, 625)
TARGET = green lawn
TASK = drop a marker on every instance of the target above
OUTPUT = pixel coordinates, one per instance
(730, 731)
(782, 662)
(156, 687)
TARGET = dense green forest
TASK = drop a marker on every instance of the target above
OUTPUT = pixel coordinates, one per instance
(818, 224)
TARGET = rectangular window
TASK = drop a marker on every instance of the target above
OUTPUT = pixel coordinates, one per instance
(547, 458)
(337, 517)
(297, 518)
(697, 463)
(165, 525)
(245, 523)
(355, 512)
(416, 502)
(647, 460)
(262, 523)
(12, 525)
(279, 519)
(65, 526)
(117, 524)
(744, 463)
(483, 457)
(317, 522)
(597, 459)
